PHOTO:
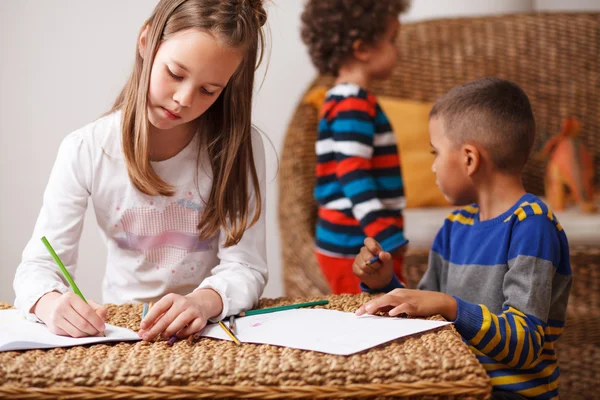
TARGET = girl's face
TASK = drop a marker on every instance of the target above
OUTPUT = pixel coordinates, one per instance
(190, 70)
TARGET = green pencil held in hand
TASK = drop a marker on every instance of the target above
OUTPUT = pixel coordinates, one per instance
(282, 308)
(64, 270)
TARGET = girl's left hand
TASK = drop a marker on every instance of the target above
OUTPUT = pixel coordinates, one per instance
(179, 315)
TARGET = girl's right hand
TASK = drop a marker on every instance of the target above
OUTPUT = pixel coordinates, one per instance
(67, 314)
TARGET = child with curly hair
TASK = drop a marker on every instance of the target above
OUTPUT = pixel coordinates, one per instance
(359, 186)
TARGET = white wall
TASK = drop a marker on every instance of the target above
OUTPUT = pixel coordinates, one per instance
(288, 73)
(61, 67)
(566, 5)
(62, 63)
(433, 9)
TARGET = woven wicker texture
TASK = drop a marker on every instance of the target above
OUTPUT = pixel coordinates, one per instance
(554, 57)
(579, 347)
(434, 364)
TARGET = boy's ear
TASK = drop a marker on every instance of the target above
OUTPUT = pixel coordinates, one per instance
(142, 41)
(472, 158)
(361, 51)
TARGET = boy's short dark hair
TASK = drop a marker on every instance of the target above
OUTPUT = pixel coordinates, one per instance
(330, 27)
(494, 113)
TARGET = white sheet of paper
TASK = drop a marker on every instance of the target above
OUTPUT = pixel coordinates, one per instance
(325, 331)
(17, 333)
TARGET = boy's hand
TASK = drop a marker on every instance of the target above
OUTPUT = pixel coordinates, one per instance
(377, 275)
(66, 314)
(416, 303)
(179, 315)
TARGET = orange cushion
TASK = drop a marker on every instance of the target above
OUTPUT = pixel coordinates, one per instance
(410, 122)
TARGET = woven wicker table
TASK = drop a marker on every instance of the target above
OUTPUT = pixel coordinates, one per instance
(434, 364)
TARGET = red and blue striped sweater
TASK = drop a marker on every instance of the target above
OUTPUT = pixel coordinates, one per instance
(359, 186)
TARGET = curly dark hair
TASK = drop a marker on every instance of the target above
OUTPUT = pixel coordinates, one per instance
(330, 27)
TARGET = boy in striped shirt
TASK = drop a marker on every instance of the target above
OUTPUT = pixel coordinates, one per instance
(359, 187)
(499, 268)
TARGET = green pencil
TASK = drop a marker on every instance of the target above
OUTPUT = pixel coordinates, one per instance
(64, 270)
(282, 308)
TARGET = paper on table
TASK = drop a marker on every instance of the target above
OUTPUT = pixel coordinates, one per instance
(325, 331)
(17, 333)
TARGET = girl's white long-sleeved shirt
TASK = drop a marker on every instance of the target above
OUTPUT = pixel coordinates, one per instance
(153, 243)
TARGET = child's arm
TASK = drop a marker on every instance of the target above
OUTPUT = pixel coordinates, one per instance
(417, 303)
(353, 131)
(38, 283)
(380, 277)
(514, 337)
(424, 302)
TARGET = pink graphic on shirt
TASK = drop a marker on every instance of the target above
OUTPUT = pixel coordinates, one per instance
(165, 237)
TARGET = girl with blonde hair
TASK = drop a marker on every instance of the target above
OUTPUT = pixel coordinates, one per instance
(176, 175)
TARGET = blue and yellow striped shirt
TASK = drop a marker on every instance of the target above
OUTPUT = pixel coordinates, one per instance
(511, 277)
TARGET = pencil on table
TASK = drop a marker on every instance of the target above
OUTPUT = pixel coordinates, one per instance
(172, 340)
(229, 333)
(147, 308)
(282, 308)
(232, 324)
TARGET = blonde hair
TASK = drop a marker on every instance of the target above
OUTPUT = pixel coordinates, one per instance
(225, 127)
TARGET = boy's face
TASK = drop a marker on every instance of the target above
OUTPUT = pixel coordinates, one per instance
(450, 166)
(384, 53)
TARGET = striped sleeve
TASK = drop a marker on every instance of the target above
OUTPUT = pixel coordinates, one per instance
(353, 132)
(515, 337)
(394, 284)
(512, 338)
